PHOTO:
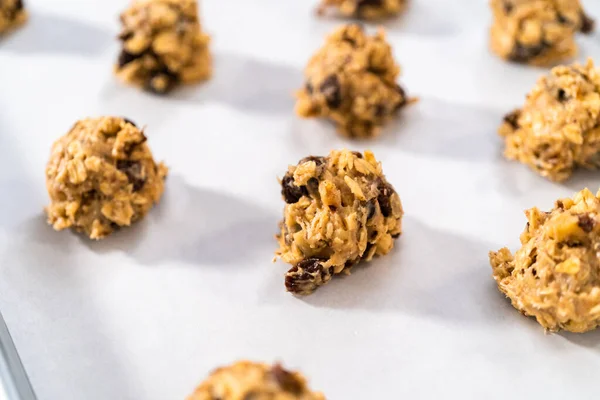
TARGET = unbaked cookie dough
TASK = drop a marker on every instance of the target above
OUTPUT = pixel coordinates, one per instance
(247, 380)
(364, 9)
(163, 45)
(558, 129)
(101, 176)
(351, 80)
(12, 14)
(537, 32)
(339, 210)
(555, 275)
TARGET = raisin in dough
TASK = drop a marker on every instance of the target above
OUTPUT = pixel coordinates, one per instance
(537, 32)
(247, 380)
(12, 14)
(364, 9)
(558, 129)
(339, 210)
(351, 80)
(555, 275)
(163, 45)
(101, 176)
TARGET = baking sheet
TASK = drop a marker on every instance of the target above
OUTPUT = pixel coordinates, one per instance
(148, 312)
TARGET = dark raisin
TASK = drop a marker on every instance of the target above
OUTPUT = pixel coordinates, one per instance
(508, 7)
(170, 80)
(286, 380)
(89, 196)
(153, 87)
(19, 5)
(306, 276)
(587, 24)
(561, 95)
(317, 160)
(396, 235)
(560, 204)
(562, 19)
(130, 146)
(130, 122)
(534, 272)
(369, 3)
(124, 36)
(385, 204)
(402, 94)
(522, 53)
(290, 192)
(134, 172)
(333, 208)
(332, 91)
(371, 209)
(586, 222)
(312, 186)
(309, 88)
(125, 58)
(513, 119)
(357, 154)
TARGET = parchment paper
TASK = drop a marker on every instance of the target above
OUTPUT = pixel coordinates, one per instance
(148, 312)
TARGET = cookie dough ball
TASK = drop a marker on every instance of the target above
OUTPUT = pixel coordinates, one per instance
(12, 14)
(555, 275)
(246, 380)
(101, 176)
(351, 80)
(537, 32)
(339, 210)
(163, 45)
(364, 9)
(558, 129)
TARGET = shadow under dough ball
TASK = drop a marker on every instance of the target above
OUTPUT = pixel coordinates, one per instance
(101, 176)
(558, 128)
(163, 45)
(351, 81)
(251, 380)
(555, 275)
(339, 210)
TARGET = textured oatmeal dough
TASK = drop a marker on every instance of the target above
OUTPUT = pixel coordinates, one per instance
(558, 129)
(351, 80)
(163, 45)
(101, 176)
(12, 14)
(339, 210)
(247, 380)
(364, 9)
(537, 32)
(555, 276)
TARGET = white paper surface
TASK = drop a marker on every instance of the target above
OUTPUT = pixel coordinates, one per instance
(148, 312)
